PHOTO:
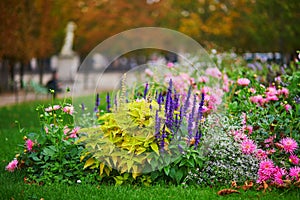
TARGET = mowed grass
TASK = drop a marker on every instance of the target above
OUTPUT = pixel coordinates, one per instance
(13, 187)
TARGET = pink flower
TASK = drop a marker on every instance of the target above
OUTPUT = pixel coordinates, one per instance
(148, 72)
(74, 132)
(203, 79)
(289, 144)
(248, 146)
(29, 144)
(170, 65)
(239, 136)
(261, 154)
(271, 91)
(266, 170)
(284, 91)
(66, 130)
(12, 165)
(287, 107)
(257, 99)
(243, 81)
(214, 72)
(252, 90)
(249, 129)
(277, 79)
(294, 172)
(294, 159)
(272, 98)
(278, 174)
(51, 108)
(68, 109)
(46, 129)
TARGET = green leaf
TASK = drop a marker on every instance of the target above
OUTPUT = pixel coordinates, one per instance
(154, 147)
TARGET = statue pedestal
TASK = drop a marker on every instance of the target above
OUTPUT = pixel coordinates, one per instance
(67, 66)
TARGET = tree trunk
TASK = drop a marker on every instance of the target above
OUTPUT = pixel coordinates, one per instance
(11, 66)
(4, 75)
(41, 63)
(22, 75)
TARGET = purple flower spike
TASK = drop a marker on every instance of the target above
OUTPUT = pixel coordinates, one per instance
(146, 90)
(97, 103)
(82, 107)
(157, 125)
(107, 102)
(187, 100)
(200, 109)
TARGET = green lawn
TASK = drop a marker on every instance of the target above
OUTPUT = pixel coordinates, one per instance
(12, 186)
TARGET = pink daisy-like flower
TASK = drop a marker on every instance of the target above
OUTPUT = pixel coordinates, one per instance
(170, 65)
(278, 175)
(271, 91)
(294, 172)
(294, 159)
(12, 165)
(272, 98)
(248, 146)
(265, 171)
(243, 81)
(249, 129)
(74, 132)
(252, 90)
(148, 72)
(51, 108)
(287, 107)
(66, 130)
(29, 144)
(203, 79)
(284, 91)
(261, 154)
(68, 109)
(289, 144)
(214, 72)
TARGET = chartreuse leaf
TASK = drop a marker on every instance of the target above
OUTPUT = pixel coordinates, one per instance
(102, 165)
(89, 162)
(154, 147)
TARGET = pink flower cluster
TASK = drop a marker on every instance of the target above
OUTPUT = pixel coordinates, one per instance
(12, 165)
(271, 94)
(243, 81)
(71, 133)
(67, 109)
(269, 172)
(29, 144)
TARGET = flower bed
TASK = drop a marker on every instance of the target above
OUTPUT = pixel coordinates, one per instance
(184, 126)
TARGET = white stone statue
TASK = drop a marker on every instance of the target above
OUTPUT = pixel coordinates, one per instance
(68, 44)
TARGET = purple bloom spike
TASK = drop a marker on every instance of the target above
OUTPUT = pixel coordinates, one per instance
(97, 103)
(162, 141)
(107, 102)
(82, 107)
(146, 90)
(190, 126)
(187, 100)
(157, 125)
(200, 109)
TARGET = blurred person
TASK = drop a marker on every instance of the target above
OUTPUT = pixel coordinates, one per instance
(53, 84)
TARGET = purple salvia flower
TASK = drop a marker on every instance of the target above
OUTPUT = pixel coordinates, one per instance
(162, 141)
(146, 90)
(190, 126)
(157, 125)
(200, 109)
(107, 102)
(82, 107)
(97, 103)
(197, 138)
(187, 100)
